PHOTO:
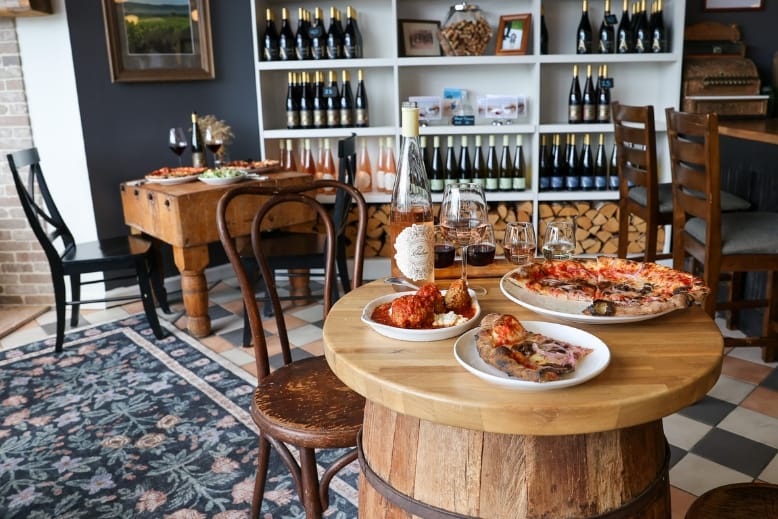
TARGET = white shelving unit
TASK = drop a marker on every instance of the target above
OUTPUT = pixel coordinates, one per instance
(544, 79)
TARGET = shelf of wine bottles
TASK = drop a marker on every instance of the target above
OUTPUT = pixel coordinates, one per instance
(642, 32)
(313, 103)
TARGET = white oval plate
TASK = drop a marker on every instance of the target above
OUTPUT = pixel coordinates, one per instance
(216, 181)
(589, 367)
(416, 335)
(172, 180)
(506, 288)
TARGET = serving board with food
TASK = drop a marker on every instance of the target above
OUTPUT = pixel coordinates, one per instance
(177, 175)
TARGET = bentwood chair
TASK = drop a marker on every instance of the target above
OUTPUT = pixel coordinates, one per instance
(302, 403)
(116, 256)
(720, 242)
(299, 252)
(640, 192)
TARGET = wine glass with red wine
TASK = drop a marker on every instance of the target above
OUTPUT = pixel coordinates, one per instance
(214, 144)
(444, 250)
(177, 142)
(481, 253)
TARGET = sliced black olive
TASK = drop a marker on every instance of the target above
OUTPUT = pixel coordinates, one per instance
(601, 307)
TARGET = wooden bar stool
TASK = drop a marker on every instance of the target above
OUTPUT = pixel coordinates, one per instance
(737, 501)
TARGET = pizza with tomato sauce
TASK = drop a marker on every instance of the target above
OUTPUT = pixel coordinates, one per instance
(178, 172)
(504, 343)
(606, 286)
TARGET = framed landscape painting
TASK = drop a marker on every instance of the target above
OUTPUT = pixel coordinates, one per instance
(158, 40)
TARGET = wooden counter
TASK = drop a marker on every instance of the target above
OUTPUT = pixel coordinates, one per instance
(758, 130)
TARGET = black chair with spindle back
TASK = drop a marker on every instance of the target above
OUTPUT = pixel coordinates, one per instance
(70, 259)
(301, 403)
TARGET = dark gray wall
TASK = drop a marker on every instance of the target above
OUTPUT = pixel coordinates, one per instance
(125, 124)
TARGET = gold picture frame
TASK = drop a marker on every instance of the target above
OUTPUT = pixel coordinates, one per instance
(513, 34)
(181, 48)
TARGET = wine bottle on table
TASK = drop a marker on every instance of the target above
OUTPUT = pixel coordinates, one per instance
(601, 166)
(412, 232)
(269, 38)
(589, 98)
(436, 174)
(450, 168)
(658, 33)
(352, 38)
(197, 146)
(361, 116)
(292, 107)
(544, 166)
(587, 165)
(506, 166)
(642, 35)
(391, 165)
(286, 41)
(479, 166)
(492, 167)
(332, 96)
(318, 35)
(624, 32)
(584, 32)
(573, 177)
(346, 102)
(302, 42)
(465, 165)
(335, 35)
(607, 42)
(574, 101)
(558, 165)
(364, 180)
(519, 167)
(603, 96)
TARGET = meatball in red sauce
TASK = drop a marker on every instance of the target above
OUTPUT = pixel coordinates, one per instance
(411, 312)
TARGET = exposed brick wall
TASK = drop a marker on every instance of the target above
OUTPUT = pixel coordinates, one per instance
(24, 272)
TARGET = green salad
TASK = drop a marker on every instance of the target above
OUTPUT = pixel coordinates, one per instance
(222, 173)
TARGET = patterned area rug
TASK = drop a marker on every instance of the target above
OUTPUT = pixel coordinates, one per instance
(123, 425)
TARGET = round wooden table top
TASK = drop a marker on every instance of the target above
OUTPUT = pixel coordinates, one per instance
(657, 367)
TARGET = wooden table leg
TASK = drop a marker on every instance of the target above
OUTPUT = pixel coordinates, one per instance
(191, 262)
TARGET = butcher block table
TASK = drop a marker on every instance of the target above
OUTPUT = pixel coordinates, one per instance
(184, 216)
(438, 441)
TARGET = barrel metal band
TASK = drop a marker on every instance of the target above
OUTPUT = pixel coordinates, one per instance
(427, 511)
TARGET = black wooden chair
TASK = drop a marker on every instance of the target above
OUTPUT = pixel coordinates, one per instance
(301, 403)
(719, 242)
(117, 256)
(299, 252)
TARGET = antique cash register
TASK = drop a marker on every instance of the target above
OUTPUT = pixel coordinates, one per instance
(717, 77)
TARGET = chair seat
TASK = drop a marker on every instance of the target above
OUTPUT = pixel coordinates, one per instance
(742, 233)
(305, 404)
(108, 250)
(290, 245)
(736, 501)
(729, 202)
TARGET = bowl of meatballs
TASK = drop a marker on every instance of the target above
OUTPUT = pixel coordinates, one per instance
(429, 314)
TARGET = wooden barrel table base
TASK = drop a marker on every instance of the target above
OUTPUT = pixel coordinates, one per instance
(574, 476)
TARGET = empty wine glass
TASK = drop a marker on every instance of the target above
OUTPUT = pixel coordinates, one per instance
(520, 243)
(214, 143)
(464, 217)
(559, 242)
(177, 142)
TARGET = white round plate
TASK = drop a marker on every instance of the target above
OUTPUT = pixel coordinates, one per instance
(416, 335)
(507, 289)
(589, 367)
(172, 180)
(223, 181)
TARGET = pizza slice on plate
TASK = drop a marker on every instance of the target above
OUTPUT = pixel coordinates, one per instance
(502, 342)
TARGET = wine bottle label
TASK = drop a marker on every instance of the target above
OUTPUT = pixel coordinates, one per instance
(613, 182)
(545, 184)
(492, 184)
(480, 181)
(589, 113)
(198, 159)
(505, 184)
(284, 54)
(319, 119)
(464, 120)
(437, 185)
(361, 117)
(557, 183)
(270, 53)
(572, 183)
(317, 52)
(519, 183)
(292, 119)
(306, 118)
(603, 113)
(345, 117)
(574, 113)
(350, 51)
(600, 183)
(414, 251)
(380, 179)
(333, 119)
(332, 52)
(389, 179)
(587, 183)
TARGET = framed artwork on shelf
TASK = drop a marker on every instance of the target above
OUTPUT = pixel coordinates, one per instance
(733, 5)
(152, 41)
(513, 34)
(419, 38)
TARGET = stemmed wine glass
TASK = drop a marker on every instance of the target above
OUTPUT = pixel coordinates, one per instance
(464, 219)
(177, 142)
(214, 144)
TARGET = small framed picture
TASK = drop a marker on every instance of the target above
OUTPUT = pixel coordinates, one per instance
(513, 34)
(733, 5)
(419, 38)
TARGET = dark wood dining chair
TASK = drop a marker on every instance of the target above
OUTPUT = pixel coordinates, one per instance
(302, 403)
(113, 257)
(299, 252)
(719, 242)
(736, 501)
(640, 192)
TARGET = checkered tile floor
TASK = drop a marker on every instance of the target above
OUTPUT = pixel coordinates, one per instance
(730, 436)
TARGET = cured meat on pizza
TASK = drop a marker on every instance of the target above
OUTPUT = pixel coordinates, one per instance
(504, 343)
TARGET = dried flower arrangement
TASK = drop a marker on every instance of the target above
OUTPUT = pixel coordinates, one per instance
(220, 129)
